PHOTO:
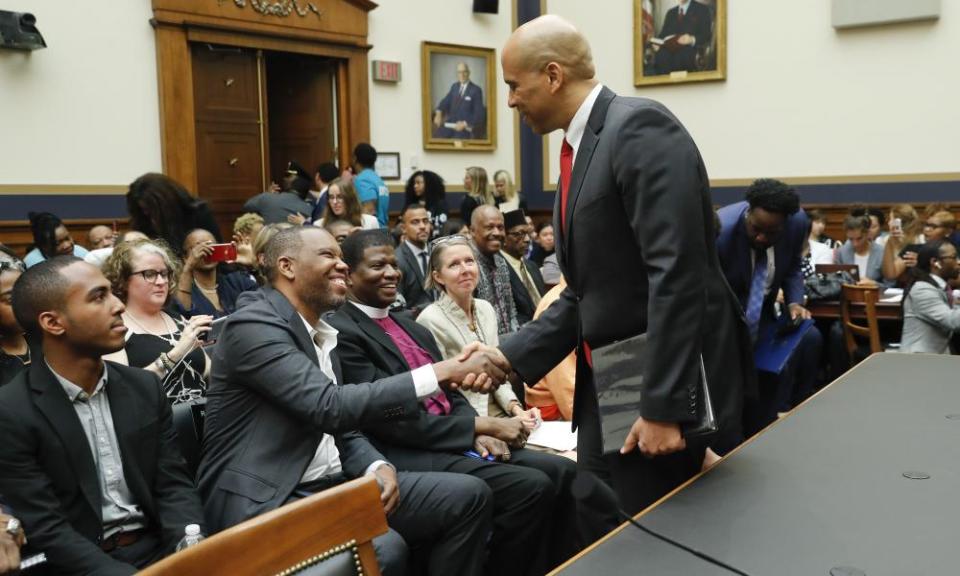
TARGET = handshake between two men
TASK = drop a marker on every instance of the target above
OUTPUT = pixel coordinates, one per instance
(481, 368)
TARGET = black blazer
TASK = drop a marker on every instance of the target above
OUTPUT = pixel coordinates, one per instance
(521, 298)
(269, 404)
(49, 475)
(411, 283)
(367, 353)
(637, 250)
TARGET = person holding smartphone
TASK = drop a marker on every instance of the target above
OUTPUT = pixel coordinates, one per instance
(202, 287)
(142, 275)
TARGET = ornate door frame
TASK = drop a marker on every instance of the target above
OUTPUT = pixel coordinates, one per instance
(329, 28)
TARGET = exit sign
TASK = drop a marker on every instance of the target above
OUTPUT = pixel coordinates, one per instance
(386, 71)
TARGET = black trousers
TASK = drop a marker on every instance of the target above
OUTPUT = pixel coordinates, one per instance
(448, 515)
(532, 523)
(637, 480)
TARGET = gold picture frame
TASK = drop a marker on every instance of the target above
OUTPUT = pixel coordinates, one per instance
(458, 115)
(663, 52)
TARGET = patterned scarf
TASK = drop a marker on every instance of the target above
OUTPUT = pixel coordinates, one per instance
(494, 287)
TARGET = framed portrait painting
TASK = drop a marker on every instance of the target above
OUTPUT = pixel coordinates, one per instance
(459, 97)
(677, 41)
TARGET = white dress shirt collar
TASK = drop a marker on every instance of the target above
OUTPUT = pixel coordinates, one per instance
(574, 132)
(371, 312)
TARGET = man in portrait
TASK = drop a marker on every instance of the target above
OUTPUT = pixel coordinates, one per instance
(461, 113)
(687, 30)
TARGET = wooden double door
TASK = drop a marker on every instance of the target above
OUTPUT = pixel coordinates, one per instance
(255, 111)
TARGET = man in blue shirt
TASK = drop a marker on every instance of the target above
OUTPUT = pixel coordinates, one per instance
(373, 193)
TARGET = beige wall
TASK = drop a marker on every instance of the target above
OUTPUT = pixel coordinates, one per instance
(802, 99)
(84, 110)
(397, 28)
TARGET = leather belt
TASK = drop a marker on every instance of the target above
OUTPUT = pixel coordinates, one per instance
(121, 540)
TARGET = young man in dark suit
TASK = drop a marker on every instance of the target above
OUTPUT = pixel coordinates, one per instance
(532, 504)
(635, 242)
(413, 254)
(279, 427)
(89, 454)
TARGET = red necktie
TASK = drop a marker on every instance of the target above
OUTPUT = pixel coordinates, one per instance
(566, 168)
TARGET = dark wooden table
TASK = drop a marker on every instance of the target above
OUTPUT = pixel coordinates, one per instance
(826, 486)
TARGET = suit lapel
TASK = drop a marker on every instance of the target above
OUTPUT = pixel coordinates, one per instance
(286, 310)
(374, 331)
(53, 403)
(412, 262)
(588, 143)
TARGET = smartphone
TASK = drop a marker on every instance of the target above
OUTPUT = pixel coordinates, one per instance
(222, 253)
(896, 226)
(211, 337)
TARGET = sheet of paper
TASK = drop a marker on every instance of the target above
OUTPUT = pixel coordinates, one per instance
(556, 435)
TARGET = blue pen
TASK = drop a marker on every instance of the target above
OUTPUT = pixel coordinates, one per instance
(475, 454)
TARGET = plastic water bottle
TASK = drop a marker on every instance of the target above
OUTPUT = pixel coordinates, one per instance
(191, 537)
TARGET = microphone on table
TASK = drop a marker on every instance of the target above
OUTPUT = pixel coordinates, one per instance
(590, 491)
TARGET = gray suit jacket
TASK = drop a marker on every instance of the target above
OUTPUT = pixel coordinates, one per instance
(411, 284)
(268, 406)
(928, 320)
(845, 255)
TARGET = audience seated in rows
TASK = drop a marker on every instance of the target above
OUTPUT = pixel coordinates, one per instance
(14, 351)
(427, 189)
(523, 273)
(89, 454)
(859, 249)
(477, 193)
(279, 427)
(343, 203)
(202, 287)
(143, 274)
(496, 284)
(100, 236)
(899, 253)
(505, 195)
(99, 256)
(413, 256)
(543, 245)
(50, 238)
(532, 506)
(929, 315)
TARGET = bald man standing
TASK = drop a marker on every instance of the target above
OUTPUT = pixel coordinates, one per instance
(635, 241)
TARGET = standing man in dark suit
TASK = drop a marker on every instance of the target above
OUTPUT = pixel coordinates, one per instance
(691, 25)
(526, 281)
(760, 247)
(278, 425)
(461, 113)
(635, 241)
(89, 456)
(413, 255)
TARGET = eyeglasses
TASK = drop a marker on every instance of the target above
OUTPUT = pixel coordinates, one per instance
(517, 234)
(152, 275)
(933, 225)
(333, 199)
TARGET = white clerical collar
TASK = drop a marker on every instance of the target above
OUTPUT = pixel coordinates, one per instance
(371, 312)
(574, 132)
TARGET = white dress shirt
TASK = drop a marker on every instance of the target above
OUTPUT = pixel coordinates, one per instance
(574, 132)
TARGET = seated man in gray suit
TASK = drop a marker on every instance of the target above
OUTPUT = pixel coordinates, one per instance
(860, 250)
(279, 427)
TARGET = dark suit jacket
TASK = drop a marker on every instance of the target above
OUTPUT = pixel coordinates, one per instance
(468, 108)
(269, 404)
(521, 298)
(696, 22)
(637, 250)
(734, 249)
(367, 354)
(411, 284)
(49, 476)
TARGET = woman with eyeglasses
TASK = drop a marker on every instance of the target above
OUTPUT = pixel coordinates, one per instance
(457, 319)
(143, 275)
(14, 351)
(343, 203)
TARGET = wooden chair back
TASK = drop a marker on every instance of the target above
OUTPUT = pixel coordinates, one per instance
(290, 538)
(868, 296)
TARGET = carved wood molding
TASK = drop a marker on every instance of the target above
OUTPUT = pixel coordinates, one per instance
(281, 8)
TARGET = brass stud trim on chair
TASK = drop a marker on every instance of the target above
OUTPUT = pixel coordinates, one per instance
(351, 545)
